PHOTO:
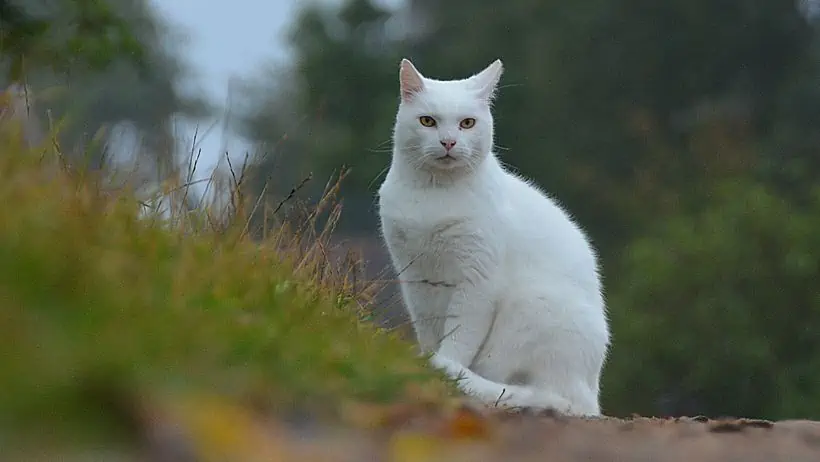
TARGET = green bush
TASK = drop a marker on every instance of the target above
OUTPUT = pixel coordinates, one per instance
(98, 302)
(721, 308)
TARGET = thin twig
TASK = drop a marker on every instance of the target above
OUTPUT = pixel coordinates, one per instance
(452, 331)
(293, 192)
(253, 211)
(498, 400)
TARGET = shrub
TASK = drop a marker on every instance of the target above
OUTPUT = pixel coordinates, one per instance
(717, 312)
(97, 302)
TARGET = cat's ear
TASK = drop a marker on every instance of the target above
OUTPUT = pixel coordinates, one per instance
(410, 79)
(486, 81)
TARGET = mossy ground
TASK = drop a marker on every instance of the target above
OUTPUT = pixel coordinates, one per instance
(102, 308)
(133, 338)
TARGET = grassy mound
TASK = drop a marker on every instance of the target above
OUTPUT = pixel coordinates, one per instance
(100, 307)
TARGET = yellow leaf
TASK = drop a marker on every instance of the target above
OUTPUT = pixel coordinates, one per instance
(409, 447)
(220, 430)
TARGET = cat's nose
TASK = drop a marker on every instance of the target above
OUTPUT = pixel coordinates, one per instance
(448, 144)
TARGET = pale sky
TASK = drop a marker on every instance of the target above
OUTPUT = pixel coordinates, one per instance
(230, 39)
(227, 39)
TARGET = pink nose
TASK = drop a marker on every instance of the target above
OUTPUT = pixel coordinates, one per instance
(448, 144)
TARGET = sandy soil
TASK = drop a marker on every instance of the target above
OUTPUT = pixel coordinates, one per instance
(413, 434)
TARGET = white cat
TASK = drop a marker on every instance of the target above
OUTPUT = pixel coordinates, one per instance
(499, 282)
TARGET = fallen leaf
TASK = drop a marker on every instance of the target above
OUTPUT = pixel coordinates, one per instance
(467, 423)
(219, 430)
(411, 447)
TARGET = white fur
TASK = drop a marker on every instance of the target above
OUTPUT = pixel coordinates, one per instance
(499, 282)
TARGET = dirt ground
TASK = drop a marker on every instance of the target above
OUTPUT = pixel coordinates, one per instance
(418, 434)
(409, 434)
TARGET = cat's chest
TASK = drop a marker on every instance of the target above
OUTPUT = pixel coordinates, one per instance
(412, 237)
(435, 237)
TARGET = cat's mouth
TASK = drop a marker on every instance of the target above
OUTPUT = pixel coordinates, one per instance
(447, 161)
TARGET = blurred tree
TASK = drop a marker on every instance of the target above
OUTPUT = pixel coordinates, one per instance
(792, 160)
(96, 64)
(616, 107)
(622, 108)
(94, 38)
(332, 107)
(715, 312)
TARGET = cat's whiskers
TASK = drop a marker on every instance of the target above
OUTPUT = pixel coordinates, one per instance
(498, 147)
(409, 147)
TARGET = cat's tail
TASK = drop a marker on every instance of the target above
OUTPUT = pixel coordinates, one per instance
(499, 394)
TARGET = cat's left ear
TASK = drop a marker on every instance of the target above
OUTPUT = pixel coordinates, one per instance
(486, 81)
(410, 79)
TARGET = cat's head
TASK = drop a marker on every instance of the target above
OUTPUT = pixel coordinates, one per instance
(445, 124)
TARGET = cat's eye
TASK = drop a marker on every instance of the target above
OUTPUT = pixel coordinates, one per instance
(467, 123)
(427, 121)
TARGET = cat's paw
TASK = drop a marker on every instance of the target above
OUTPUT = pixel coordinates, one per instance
(448, 366)
(440, 362)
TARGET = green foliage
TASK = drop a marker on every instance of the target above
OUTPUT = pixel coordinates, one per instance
(596, 87)
(88, 34)
(99, 302)
(719, 307)
(591, 92)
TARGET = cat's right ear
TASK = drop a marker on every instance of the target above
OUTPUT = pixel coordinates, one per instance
(411, 81)
(486, 81)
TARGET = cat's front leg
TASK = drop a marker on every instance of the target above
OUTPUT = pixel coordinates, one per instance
(470, 318)
(427, 308)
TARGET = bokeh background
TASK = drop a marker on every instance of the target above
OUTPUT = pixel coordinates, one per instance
(683, 135)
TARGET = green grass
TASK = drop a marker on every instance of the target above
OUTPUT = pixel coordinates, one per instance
(98, 305)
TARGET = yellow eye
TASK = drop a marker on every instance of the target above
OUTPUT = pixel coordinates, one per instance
(467, 123)
(427, 121)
